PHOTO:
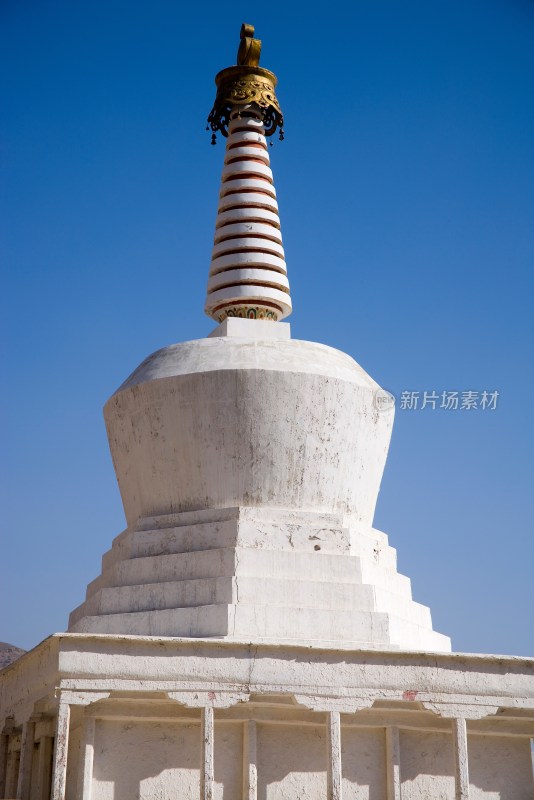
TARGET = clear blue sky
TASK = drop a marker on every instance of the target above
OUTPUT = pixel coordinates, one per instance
(406, 191)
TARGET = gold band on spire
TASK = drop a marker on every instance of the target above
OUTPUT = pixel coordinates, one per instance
(246, 84)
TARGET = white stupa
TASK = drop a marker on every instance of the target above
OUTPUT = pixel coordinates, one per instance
(249, 635)
(249, 464)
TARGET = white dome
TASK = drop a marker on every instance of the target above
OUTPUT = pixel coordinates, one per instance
(223, 422)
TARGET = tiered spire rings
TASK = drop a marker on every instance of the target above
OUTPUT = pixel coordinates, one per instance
(248, 271)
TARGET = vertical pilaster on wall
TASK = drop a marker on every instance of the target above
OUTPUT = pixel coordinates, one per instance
(44, 767)
(61, 749)
(393, 764)
(334, 755)
(85, 774)
(207, 758)
(250, 763)
(12, 771)
(26, 758)
(461, 758)
(4, 743)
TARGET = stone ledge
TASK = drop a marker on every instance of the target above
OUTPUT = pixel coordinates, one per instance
(100, 662)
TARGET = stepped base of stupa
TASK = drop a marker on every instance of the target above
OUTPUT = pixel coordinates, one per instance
(249, 465)
(256, 574)
(125, 717)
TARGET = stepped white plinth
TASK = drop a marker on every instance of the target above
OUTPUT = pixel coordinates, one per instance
(249, 503)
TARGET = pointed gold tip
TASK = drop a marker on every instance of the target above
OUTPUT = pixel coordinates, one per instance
(246, 84)
(248, 54)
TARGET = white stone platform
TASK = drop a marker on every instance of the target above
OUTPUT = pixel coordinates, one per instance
(148, 717)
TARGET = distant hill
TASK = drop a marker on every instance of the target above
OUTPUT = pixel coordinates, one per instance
(9, 653)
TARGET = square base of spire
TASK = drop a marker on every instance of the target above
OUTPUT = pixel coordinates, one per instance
(242, 328)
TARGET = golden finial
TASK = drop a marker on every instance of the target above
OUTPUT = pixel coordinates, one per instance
(248, 54)
(246, 84)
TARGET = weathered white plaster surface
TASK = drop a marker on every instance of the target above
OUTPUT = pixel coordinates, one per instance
(427, 765)
(291, 761)
(145, 698)
(223, 422)
(249, 466)
(146, 760)
(364, 764)
(252, 329)
(497, 766)
(258, 574)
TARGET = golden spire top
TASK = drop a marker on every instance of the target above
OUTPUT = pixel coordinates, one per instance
(246, 84)
(248, 54)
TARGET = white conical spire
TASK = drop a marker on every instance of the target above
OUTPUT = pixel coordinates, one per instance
(248, 270)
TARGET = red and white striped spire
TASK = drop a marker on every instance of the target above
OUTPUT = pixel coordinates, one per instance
(248, 276)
